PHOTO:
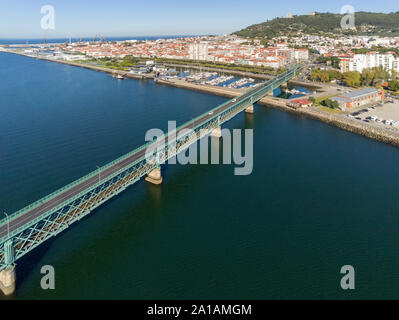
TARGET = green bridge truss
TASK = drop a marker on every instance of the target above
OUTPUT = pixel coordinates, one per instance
(18, 242)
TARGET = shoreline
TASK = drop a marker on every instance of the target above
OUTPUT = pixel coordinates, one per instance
(336, 120)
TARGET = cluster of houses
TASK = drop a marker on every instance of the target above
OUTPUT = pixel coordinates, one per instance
(230, 50)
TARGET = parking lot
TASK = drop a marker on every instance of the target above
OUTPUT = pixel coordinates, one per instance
(382, 114)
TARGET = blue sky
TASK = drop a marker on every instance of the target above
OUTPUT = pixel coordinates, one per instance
(21, 18)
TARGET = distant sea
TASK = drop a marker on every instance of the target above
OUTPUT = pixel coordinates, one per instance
(61, 40)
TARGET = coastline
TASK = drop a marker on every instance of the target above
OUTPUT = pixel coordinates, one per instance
(337, 120)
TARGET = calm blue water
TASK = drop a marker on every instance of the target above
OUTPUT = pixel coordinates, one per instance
(318, 198)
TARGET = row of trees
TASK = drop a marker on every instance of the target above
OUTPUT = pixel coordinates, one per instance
(325, 75)
(369, 77)
(118, 64)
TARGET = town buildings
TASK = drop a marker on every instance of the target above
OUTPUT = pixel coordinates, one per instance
(359, 62)
(198, 51)
(229, 50)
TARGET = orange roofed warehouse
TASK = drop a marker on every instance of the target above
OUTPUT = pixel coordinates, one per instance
(359, 98)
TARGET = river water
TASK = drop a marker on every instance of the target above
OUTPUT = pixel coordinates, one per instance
(317, 199)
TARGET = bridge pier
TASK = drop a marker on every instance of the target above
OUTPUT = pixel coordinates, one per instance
(154, 176)
(7, 280)
(250, 109)
(7, 275)
(217, 132)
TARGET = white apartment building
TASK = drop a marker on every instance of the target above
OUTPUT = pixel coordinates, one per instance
(370, 60)
(301, 54)
(198, 51)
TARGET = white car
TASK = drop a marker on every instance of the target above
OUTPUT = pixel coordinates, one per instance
(234, 100)
(210, 113)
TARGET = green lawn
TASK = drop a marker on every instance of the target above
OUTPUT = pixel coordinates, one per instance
(327, 109)
(319, 100)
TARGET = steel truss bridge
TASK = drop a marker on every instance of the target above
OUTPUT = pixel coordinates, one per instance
(29, 227)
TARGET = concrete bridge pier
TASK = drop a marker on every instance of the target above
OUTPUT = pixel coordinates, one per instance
(7, 280)
(154, 176)
(250, 109)
(217, 132)
(7, 275)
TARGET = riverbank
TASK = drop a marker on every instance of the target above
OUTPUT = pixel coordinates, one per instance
(337, 120)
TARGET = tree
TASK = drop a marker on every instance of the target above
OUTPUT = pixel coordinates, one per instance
(314, 75)
(393, 85)
(331, 104)
(352, 78)
(324, 76)
(367, 77)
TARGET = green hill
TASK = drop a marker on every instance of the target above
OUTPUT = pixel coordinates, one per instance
(367, 23)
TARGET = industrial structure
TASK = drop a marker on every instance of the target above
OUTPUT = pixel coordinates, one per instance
(359, 98)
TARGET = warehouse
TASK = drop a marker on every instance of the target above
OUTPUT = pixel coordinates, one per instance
(359, 98)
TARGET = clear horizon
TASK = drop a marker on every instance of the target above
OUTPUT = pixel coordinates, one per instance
(140, 36)
(21, 19)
